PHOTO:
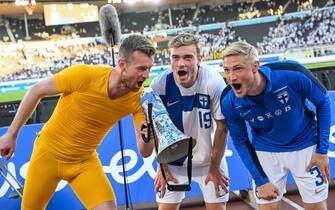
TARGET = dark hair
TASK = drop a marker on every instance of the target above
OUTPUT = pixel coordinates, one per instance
(135, 42)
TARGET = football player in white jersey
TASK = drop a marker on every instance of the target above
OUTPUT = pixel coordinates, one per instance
(191, 94)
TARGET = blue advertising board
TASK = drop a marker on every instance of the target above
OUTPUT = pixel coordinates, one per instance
(140, 171)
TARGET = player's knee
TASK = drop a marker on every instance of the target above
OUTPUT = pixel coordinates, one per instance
(316, 206)
(269, 206)
(216, 206)
(108, 205)
(168, 206)
(31, 204)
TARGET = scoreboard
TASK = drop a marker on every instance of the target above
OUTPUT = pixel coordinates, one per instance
(69, 13)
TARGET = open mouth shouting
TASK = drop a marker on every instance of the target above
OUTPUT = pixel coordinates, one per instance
(237, 87)
(140, 83)
(182, 74)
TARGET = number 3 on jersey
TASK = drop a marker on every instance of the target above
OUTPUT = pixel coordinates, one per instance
(205, 119)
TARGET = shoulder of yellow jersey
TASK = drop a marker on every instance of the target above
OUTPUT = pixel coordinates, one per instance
(78, 76)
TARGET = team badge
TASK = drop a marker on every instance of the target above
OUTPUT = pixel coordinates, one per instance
(203, 101)
(283, 97)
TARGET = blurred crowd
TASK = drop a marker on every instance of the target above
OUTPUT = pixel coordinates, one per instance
(315, 27)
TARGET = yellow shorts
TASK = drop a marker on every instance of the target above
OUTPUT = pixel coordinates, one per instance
(86, 179)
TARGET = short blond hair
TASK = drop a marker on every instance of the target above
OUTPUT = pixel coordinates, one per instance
(186, 39)
(241, 48)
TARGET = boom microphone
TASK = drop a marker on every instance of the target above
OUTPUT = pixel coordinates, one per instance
(110, 25)
(111, 32)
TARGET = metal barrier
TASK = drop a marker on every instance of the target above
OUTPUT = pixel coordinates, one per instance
(17, 187)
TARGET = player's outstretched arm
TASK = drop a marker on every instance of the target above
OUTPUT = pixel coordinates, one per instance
(25, 110)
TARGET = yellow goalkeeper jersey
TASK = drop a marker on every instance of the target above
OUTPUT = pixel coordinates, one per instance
(84, 113)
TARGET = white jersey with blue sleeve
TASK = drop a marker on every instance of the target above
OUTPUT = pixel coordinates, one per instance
(193, 109)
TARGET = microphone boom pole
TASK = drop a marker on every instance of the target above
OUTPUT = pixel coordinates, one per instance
(111, 32)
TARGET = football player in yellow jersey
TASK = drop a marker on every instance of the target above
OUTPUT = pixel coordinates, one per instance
(93, 99)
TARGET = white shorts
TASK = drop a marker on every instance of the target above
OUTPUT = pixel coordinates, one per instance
(199, 175)
(276, 165)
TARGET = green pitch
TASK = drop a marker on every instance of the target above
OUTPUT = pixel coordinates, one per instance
(312, 66)
(148, 81)
(14, 96)
(17, 96)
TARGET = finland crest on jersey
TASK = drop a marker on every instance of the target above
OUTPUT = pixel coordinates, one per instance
(193, 109)
(283, 97)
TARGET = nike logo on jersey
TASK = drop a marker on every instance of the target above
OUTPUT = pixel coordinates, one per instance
(172, 103)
